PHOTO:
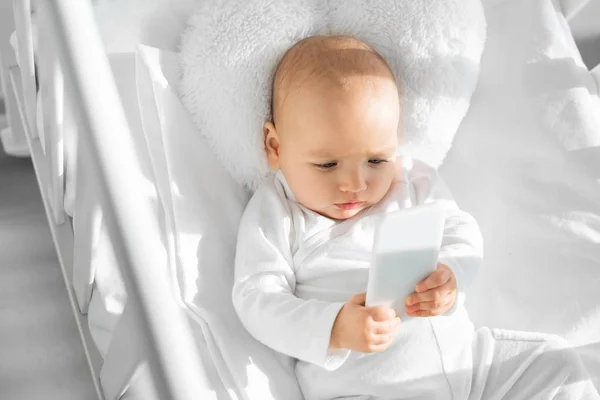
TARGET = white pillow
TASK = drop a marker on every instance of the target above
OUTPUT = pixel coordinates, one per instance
(203, 205)
(231, 48)
(526, 164)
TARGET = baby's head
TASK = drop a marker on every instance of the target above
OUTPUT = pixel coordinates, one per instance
(335, 122)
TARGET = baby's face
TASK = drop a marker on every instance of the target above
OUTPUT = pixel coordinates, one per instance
(337, 148)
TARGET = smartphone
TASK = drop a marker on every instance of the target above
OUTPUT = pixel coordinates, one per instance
(405, 251)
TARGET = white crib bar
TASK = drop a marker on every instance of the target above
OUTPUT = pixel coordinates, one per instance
(52, 88)
(51, 141)
(62, 235)
(596, 75)
(172, 356)
(22, 13)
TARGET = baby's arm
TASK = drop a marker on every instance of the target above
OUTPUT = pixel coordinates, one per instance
(462, 243)
(263, 292)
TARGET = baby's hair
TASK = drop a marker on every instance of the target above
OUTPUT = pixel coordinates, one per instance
(325, 59)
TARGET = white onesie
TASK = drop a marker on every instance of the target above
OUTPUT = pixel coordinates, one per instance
(295, 269)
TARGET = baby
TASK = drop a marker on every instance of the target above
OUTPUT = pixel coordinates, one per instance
(305, 242)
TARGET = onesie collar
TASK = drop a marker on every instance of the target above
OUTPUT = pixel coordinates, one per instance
(286, 188)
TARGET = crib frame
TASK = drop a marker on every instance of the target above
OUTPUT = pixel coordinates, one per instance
(159, 321)
(79, 55)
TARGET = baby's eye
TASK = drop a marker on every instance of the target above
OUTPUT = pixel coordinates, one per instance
(377, 161)
(328, 165)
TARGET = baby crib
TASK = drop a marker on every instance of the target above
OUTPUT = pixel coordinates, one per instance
(72, 68)
(79, 55)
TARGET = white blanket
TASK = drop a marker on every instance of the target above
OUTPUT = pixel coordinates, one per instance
(526, 164)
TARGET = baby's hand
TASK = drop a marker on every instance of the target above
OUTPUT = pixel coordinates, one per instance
(435, 295)
(363, 329)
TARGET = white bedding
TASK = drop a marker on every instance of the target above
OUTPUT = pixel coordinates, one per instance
(525, 163)
(123, 25)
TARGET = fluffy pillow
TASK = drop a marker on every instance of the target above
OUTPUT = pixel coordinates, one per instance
(231, 49)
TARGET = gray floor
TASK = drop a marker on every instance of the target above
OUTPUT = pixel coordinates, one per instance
(41, 356)
(586, 31)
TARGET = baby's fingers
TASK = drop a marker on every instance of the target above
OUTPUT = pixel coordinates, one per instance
(386, 327)
(378, 343)
(358, 299)
(431, 308)
(381, 313)
(435, 279)
(377, 349)
(436, 295)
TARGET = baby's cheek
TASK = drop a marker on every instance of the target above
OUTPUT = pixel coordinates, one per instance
(317, 193)
(378, 189)
(326, 189)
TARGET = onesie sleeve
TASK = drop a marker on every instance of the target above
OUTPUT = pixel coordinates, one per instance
(263, 291)
(462, 243)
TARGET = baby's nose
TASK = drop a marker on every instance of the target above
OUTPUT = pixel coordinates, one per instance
(353, 183)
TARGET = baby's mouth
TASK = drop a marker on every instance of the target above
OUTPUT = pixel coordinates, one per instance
(349, 206)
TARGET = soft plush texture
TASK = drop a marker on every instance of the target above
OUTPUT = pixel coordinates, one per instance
(231, 49)
(526, 163)
(202, 207)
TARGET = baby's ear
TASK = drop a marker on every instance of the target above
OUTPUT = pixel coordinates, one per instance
(271, 141)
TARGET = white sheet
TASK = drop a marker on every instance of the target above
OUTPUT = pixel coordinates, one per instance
(96, 269)
(526, 164)
(123, 25)
(203, 206)
(95, 266)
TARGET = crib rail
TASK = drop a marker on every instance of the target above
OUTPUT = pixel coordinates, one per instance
(22, 13)
(161, 323)
(51, 142)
